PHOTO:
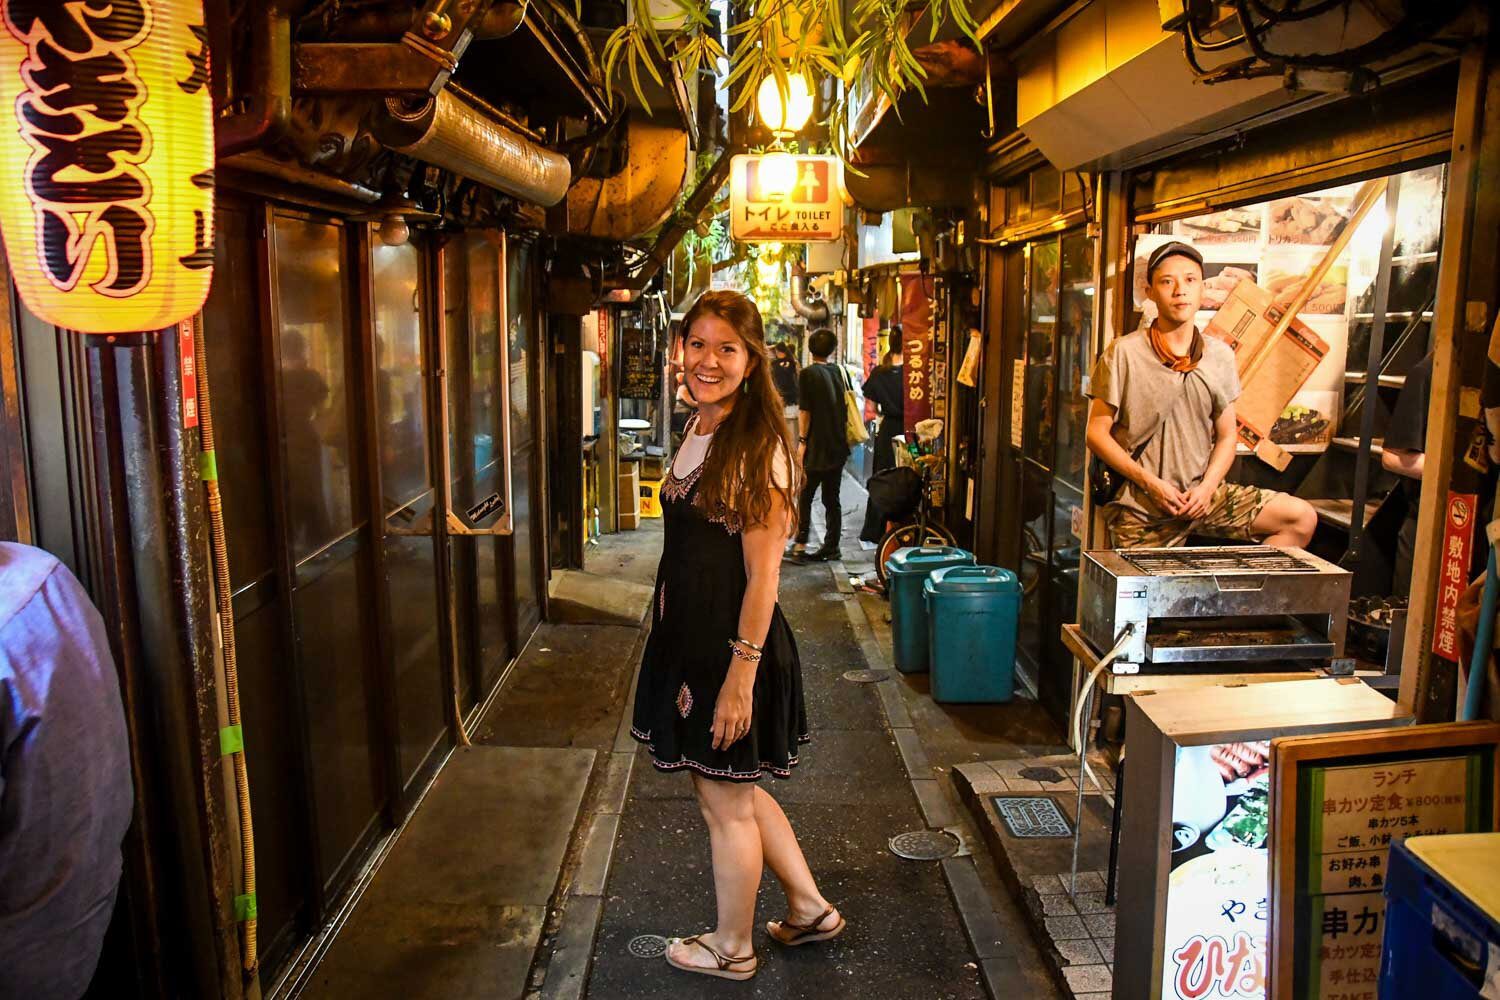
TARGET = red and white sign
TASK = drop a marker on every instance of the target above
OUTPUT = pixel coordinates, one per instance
(811, 211)
(1453, 575)
(189, 361)
(916, 339)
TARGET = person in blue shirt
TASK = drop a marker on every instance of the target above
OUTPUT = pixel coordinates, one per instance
(66, 795)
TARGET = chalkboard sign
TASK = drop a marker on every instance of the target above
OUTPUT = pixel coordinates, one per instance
(640, 365)
(1338, 803)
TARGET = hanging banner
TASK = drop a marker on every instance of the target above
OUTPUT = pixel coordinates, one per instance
(189, 365)
(870, 328)
(107, 160)
(916, 333)
(1453, 577)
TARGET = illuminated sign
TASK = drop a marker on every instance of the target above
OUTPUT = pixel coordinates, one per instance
(107, 159)
(805, 207)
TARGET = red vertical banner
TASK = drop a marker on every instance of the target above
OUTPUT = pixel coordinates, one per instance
(1453, 571)
(602, 349)
(870, 348)
(189, 364)
(916, 332)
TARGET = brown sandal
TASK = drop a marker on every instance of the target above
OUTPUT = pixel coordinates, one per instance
(805, 933)
(723, 961)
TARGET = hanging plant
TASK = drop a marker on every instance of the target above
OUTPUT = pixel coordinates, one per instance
(777, 38)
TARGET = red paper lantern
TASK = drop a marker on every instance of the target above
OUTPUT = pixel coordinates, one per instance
(106, 160)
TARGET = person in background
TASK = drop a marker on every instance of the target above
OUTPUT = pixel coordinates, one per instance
(1404, 453)
(822, 445)
(1162, 417)
(886, 388)
(66, 795)
(784, 375)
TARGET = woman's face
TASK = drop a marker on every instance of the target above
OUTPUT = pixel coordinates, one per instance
(715, 360)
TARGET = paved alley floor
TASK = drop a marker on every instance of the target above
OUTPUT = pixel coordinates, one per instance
(846, 799)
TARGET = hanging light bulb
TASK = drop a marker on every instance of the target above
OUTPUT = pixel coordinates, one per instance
(394, 231)
(784, 116)
(777, 175)
(768, 269)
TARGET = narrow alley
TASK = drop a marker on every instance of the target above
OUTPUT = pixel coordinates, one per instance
(553, 837)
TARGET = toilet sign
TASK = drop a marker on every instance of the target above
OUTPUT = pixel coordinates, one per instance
(811, 211)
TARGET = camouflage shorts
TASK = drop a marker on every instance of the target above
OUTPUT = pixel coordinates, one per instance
(1230, 514)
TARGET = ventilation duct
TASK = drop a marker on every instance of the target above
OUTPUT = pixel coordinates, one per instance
(631, 203)
(817, 312)
(447, 132)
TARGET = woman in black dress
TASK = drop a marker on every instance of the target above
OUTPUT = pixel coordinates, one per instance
(720, 689)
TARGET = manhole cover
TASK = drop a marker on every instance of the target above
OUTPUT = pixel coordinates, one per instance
(866, 676)
(1032, 816)
(1048, 774)
(648, 946)
(924, 845)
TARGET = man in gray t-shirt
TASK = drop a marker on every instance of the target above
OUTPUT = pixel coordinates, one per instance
(1163, 418)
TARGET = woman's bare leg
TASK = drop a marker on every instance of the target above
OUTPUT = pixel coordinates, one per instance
(784, 856)
(734, 839)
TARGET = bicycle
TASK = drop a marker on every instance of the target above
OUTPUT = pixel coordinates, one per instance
(922, 528)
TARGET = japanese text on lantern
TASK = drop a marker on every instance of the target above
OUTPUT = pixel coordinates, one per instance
(1362, 810)
(108, 206)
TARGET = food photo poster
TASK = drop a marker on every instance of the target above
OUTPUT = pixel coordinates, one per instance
(1218, 889)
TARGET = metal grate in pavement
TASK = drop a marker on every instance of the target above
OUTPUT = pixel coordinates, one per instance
(647, 946)
(924, 845)
(1032, 816)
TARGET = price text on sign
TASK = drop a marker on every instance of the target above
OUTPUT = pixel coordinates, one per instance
(1453, 575)
(811, 211)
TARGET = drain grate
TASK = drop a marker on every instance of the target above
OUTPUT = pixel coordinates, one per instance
(924, 845)
(1032, 816)
(866, 676)
(648, 946)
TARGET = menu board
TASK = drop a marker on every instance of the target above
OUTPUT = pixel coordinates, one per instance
(640, 365)
(1338, 804)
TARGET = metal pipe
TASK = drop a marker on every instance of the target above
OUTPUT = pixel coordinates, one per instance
(815, 311)
(387, 25)
(268, 106)
(448, 133)
(292, 173)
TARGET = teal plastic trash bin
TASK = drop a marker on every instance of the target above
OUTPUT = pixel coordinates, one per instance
(905, 572)
(973, 613)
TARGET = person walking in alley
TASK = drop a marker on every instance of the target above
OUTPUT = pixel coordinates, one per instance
(720, 688)
(784, 374)
(886, 388)
(1162, 418)
(821, 445)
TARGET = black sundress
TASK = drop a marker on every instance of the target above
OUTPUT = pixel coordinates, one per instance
(700, 586)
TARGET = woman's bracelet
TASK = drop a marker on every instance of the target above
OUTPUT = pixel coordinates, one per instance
(747, 643)
(747, 657)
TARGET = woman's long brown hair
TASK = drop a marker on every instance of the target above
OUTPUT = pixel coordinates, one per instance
(737, 472)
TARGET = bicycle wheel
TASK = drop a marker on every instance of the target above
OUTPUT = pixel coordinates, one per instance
(906, 536)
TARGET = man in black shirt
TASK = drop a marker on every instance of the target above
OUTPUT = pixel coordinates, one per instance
(1404, 453)
(822, 445)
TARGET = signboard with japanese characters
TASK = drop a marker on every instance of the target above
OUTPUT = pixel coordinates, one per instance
(917, 361)
(805, 206)
(1453, 575)
(1338, 804)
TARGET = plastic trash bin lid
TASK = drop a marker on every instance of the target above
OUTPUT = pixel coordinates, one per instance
(1467, 862)
(924, 558)
(972, 580)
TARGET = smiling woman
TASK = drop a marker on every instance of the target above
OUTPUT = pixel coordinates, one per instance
(720, 690)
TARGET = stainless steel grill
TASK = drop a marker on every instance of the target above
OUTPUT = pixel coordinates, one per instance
(1225, 604)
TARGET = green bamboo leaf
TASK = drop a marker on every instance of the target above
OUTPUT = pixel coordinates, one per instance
(635, 75)
(651, 68)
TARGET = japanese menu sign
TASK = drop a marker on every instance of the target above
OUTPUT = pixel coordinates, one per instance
(1453, 575)
(810, 210)
(1329, 890)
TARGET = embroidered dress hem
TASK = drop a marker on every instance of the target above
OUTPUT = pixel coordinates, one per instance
(766, 767)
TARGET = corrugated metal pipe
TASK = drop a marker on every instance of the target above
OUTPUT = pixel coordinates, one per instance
(449, 133)
(268, 103)
(815, 311)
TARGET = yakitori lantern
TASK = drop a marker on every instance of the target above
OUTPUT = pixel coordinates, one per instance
(106, 160)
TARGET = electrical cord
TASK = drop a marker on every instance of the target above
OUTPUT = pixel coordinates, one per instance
(1086, 697)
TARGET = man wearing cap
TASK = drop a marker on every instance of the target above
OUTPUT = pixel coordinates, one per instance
(1162, 418)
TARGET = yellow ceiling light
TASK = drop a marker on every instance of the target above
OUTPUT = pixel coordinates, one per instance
(777, 174)
(107, 178)
(784, 116)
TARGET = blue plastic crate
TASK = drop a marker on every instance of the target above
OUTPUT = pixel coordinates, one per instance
(1442, 918)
